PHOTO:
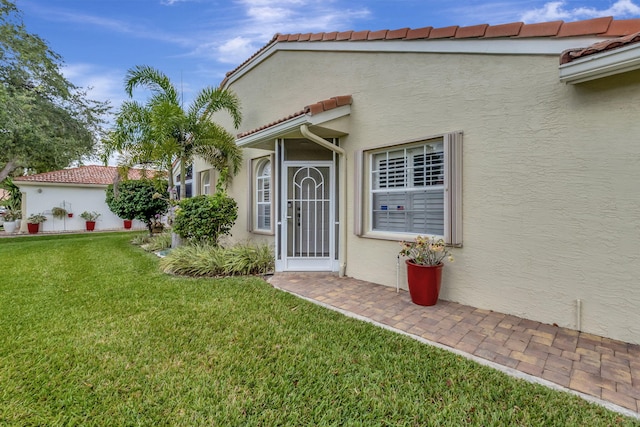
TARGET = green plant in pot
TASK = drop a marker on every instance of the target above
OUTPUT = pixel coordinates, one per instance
(58, 212)
(10, 220)
(90, 219)
(425, 261)
(34, 221)
(11, 215)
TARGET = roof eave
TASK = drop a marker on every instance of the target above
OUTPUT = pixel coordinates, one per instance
(58, 184)
(599, 65)
(292, 126)
(506, 45)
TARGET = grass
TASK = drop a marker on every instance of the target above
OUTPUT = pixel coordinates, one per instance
(91, 333)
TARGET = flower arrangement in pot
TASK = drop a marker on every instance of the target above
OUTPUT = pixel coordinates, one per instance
(424, 267)
(90, 219)
(34, 221)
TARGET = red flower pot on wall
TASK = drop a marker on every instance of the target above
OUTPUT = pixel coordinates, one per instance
(424, 282)
(33, 228)
(127, 224)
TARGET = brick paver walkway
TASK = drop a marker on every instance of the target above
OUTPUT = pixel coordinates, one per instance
(606, 370)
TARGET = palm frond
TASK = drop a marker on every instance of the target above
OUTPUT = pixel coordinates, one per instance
(218, 147)
(211, 100)
(151, 78)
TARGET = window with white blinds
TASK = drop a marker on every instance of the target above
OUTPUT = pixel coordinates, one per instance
(263, 196)
(407, 189)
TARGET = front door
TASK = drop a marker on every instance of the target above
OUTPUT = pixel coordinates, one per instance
(308, 216)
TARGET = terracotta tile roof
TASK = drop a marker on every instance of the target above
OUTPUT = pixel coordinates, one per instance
(572, 54)
(312, 109)
(598, 27)
(100, 175)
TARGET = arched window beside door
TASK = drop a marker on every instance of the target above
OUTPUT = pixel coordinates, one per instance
(263, 195)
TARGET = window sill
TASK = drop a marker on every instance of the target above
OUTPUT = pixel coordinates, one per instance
(398, 237)
(263, 232)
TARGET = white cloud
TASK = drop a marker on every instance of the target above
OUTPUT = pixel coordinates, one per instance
(235, 50)
(264, 18)
(101, 84)
(557, 10)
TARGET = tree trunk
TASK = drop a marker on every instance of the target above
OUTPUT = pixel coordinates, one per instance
(7, 169)
(183, 178)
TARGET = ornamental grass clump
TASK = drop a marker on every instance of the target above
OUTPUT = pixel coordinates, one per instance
(425, 250)
(157, 242)
(207, 260)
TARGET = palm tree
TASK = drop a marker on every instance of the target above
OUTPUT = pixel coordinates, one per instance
(161, 131)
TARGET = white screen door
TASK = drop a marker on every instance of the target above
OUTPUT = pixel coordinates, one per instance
(308, 216)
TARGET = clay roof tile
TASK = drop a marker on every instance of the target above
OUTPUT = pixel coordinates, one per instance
(311, 109)
(93, 174)
(504, 30)
(600, 27)
(585, 28)
(471, 32)
(444, 32)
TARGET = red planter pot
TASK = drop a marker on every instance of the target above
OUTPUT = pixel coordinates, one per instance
(70, 215)
(33, 228)
(127, 224)
(424, 282)
(91, 225)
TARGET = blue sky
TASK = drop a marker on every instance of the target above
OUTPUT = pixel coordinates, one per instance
(195, 42)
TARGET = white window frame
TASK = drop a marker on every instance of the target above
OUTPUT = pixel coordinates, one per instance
(406, 188)
(450, 185)
(264, 194)
(205, 182)
(257, 184)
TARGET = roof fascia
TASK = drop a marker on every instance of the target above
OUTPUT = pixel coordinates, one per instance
(506, 46)
(57, 184)
(602, 64)
(293, 125)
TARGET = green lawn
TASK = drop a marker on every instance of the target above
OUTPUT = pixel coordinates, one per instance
(92, 334)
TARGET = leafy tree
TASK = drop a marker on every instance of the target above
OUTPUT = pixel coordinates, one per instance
(46, 122)
(162, 131)
(138, 199)
(205, 218)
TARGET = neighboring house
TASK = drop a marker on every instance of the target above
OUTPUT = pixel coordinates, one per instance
(76, 190)
(529, 169)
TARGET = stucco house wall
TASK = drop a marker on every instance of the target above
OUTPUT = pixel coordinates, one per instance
(76, 190)
(550, 171)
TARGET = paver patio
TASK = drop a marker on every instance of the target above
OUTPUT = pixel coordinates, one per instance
(597, 368)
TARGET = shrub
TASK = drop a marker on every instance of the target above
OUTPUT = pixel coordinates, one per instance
(205, 218)
(138, 199)
(203, 259)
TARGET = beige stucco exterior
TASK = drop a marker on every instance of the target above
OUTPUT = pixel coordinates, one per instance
(551, 201)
